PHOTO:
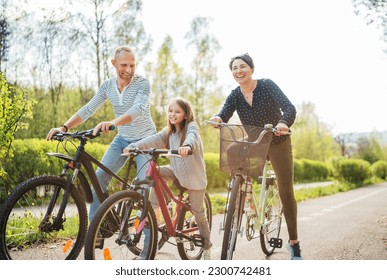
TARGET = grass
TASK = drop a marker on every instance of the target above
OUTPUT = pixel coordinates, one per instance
(22, 231)
(219, 201)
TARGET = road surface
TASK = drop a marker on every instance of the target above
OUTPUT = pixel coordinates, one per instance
(345, 226)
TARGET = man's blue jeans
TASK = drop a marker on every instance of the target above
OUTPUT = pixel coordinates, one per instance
(113, 160)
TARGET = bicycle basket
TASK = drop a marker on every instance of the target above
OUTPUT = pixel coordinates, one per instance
(238, 150)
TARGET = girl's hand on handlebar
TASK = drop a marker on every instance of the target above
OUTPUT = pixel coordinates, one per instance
(126, 151)
(281, 129)
(183, 151)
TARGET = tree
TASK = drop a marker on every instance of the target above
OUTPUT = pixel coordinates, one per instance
(54, 46)
(14, 109)
(131, 30)
(312, 138)
(204, 78)
(369, 149)
(342, 142)
(374, 13)
(110, 22)
(168, 81)
(4, 35)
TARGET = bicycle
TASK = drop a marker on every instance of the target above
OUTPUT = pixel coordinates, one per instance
(132, 213)
(45, 217)
(243, 154)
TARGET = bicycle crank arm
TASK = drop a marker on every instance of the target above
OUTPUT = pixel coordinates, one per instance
(197, 239)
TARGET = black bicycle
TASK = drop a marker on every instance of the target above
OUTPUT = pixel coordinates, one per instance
(45, 217)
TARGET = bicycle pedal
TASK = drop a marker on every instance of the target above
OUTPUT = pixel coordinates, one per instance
(275, 242)
(198, 240)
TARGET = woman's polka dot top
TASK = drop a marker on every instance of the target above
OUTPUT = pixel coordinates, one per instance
(270, 106)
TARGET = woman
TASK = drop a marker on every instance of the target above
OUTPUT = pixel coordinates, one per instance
(260, 102)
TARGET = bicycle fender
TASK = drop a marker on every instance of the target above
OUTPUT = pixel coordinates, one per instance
(86, 189)
(61, 156)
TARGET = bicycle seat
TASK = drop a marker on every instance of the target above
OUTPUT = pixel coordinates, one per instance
(179, 186)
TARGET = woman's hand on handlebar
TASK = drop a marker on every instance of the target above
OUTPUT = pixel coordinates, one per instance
(281, 129)
(214, 120)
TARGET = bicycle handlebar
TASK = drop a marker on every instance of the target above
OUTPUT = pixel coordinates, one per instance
(79, 134)
(267, 127)
(155, 152)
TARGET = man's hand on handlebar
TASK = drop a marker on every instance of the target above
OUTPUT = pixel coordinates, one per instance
(104, 127)
(54, 131)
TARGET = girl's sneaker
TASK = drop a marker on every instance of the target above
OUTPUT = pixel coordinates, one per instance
(207, 254)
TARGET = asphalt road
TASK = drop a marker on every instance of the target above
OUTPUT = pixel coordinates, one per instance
(344, 226)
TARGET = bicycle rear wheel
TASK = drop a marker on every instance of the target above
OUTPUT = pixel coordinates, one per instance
(112, 231)
(233, 219)
(188, 250)
(270, 230)
(26, 234)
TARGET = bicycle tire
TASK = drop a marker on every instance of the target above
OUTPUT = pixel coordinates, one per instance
(118, 235)
(24, 235)
(233, 219)
(187, 221)
(272, 218)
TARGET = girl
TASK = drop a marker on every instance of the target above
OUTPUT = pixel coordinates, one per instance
(182, 134)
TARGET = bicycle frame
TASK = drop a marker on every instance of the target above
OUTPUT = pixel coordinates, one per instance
(244, 155)
(159, 186)
(83, 158)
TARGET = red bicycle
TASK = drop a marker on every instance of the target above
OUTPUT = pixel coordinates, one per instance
(122, 218)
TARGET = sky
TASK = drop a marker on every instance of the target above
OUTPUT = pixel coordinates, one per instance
(316, 51)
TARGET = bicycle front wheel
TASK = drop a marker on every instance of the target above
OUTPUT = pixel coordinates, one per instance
(27, 228)
(189, 250)
(113, 232)
(233, 219)
(272, 213)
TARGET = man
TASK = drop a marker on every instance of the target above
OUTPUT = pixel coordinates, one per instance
(129, 96)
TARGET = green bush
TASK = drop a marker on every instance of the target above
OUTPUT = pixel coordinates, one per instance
(310, 170)
(217, 180)
(379, 169)
(30, 159)
(298, 170)
(351, 170)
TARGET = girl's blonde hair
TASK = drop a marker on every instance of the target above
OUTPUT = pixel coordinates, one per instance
(189, 117)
